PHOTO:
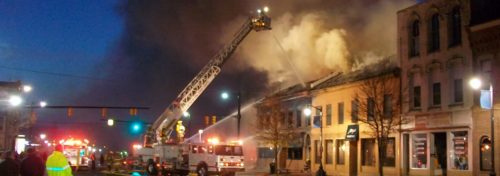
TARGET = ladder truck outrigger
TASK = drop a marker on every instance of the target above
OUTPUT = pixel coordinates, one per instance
(202, 158)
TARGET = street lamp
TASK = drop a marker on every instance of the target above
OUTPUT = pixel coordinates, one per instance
(43, 104)
(27, 88)
(476, 83)
(225, 96)
(111, 122)
(43, 136)
(308, 112)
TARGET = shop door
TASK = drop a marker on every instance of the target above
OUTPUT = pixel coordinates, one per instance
(353, 158)
(406, 154)
(439, 155)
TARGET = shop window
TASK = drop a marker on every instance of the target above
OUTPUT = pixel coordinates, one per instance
(341, 112)
(390, 153)
(328, 114)
(414, 38)
(354, 111)
(317, 153)
(265, 152)
(329, 151)
(368, 149)
(460, 148)
(295, 153)
(485, 153)
(419, 151)
(340, 149)
(434, 33)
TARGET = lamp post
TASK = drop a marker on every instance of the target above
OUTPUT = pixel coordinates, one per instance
(225, 96)
(307, 112)
(476, 83)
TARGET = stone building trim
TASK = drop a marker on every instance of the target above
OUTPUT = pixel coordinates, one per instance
(435, 64)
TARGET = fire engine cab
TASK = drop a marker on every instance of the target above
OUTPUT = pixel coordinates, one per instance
(76, 152)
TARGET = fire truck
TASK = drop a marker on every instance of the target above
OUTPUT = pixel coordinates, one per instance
(76, 152)
(201, 158)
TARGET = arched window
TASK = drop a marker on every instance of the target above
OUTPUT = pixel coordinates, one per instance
(414, 38)
(455, 27)
(485, 153)
(434, 33)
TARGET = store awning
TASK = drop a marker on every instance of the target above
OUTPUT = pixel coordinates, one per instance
(352, 133)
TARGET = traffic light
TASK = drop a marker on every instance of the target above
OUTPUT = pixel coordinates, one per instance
(136, 127)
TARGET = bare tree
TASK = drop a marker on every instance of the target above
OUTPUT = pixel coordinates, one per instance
(379, 101)
(274, 129)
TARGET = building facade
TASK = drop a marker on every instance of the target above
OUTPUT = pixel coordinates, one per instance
(10, 117)
(437, 62)
(485, 42)
(349, 146)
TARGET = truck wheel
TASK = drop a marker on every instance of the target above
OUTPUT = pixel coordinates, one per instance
(202, 169)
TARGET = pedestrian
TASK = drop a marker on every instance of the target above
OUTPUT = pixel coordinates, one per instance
(32, 165)
(92, 159)
(9, 167)
(151, 167)
(101, 159)
(57, 164)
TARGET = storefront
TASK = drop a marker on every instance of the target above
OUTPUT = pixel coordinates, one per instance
(437, 152)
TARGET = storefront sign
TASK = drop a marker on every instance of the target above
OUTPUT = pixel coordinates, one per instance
(352, 133)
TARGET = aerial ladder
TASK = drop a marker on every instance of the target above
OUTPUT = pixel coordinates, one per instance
(162, 128)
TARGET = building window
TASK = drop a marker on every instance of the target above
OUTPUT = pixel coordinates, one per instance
(340, 149)
(295, 153)
(308, 120)
(485, 153)
(460, 148)
(436, 94)
(265, 152)
(455, 27)
(414, 38)
(290, 119)
(458, 91)
(354, 111)
(419, 151)
(341, 112)
(317, 154)
(329, 151)
(370, 113)
(416, 97)
(390, 153)
(298, 118)
(387, 106)
(328, 114)
(368, 149)
(434, 33)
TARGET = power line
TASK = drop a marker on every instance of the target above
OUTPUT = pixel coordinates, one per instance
(55, 73)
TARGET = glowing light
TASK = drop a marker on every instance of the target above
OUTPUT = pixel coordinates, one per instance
(307, 111)
(43, 104)
(213, 141)
(475, 83)
(137, 146)
(487, 147)
(266, 9)
(27, 88)
(224, 95)
(259, 11)
(15, 100)
(43, 136)
(186, 114)
(111, 122)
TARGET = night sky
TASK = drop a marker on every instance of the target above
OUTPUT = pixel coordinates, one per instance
(142, 53)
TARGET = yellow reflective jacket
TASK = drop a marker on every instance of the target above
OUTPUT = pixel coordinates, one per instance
(57, 165)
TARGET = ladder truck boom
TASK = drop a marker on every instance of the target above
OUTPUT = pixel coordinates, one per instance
(166, 122)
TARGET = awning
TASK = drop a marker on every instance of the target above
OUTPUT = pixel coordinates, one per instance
(352, 133)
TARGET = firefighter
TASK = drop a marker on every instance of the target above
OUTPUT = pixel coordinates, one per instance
(57, 164)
